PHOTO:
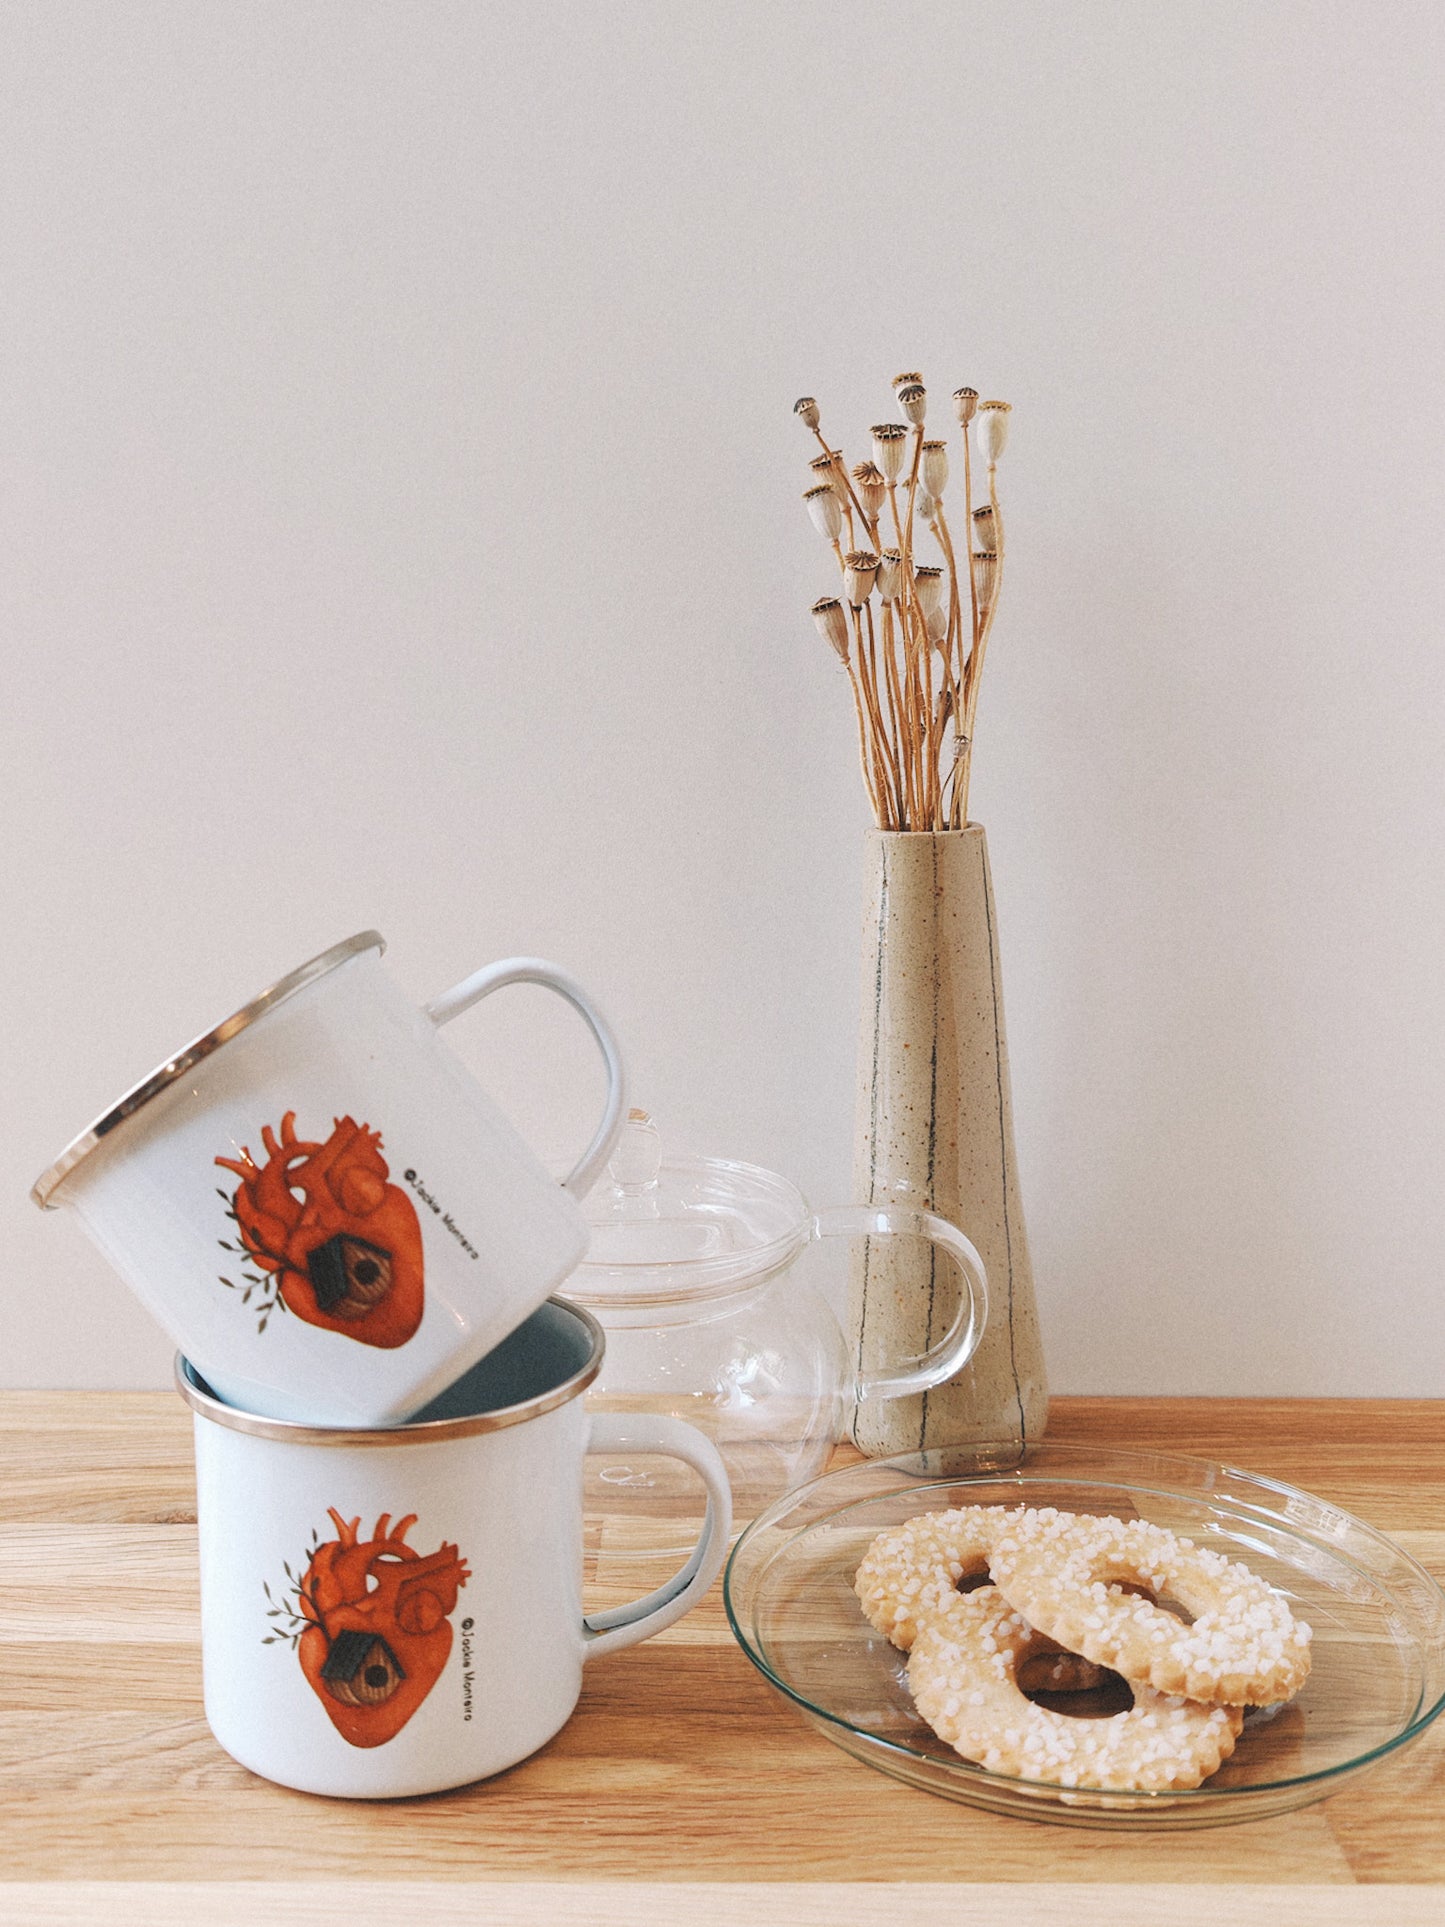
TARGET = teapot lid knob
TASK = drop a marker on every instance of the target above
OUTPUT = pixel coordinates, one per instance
(637, 1159)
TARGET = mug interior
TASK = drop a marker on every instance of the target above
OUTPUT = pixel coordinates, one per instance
(551, 1357)
(544, 1351)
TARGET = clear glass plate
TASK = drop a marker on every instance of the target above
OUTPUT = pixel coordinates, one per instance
(1377, 1681)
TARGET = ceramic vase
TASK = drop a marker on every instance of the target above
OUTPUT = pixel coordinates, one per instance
(935, 1129)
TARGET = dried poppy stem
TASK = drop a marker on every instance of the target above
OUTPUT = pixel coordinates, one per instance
(968, 536)
(940, 708)
(894, 753)
(955, 605)
(955, 661)
(989, 601)
(886, 762)
(875, 773)
(911, 399)
(833, 627)
(965, 406)
(880, 785)
(895, 733)
(909, 620)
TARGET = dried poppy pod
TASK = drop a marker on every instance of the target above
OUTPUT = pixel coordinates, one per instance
(890, 575)
(935, 467)
(860, 568)
(890, 446)
(832, 621)
(826, 510)
(870, 488)
(985, 527)
(936, 623)
(913, 400)
(806, 409)
(965, 401)
(826, 471)
(924, 506)
(985, 577)
(911, 380)
(992, 429)
(928, 587)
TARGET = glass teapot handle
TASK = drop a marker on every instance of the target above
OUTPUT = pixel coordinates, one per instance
(959, 1343)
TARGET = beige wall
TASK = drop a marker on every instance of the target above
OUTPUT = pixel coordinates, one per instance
(401, 526)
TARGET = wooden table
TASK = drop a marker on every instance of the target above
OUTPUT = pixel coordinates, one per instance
(682, 1790)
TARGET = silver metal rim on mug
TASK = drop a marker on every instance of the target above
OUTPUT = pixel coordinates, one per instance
(186, 1061)
(205, 1404)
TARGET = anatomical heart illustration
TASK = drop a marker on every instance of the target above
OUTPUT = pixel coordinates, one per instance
(338, 1244)
(371, 1625)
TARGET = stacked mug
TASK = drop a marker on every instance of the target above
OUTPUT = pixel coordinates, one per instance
(355, 1254)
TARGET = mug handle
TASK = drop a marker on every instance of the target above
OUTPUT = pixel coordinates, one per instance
(533, 970)
(641, 1618)
(959, 1343)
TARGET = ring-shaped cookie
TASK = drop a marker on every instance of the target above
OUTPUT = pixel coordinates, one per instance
(1066, 1574)
(913, 1572)
(963, 1673)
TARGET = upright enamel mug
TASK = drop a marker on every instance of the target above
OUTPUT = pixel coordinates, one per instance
(319, 1202)
(398, 1611)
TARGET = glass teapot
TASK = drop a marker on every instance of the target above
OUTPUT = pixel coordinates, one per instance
(693, 1272)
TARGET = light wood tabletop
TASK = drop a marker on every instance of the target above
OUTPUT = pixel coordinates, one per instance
(682, 1783)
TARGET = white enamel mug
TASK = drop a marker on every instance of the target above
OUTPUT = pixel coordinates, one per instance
(321, 1205)
(398, 1611)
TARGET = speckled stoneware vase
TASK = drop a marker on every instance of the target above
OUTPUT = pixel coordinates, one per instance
(935, 1128)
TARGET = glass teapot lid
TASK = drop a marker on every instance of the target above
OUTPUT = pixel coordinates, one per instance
(670, 1228)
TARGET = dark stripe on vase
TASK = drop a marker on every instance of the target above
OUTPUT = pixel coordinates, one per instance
(873, 1099)
(1002, 1143)
(932, 1141)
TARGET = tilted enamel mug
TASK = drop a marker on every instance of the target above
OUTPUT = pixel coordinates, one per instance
(320, 1203)
(398, 1611)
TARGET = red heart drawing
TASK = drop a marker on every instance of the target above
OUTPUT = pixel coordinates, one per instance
(344, 1245)
(378, 1631)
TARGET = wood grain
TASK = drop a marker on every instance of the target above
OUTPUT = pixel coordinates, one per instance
(679, 1766)
(751, 1904)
